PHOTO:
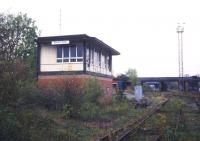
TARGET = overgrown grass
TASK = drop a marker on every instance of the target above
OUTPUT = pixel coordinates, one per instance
(174, 105)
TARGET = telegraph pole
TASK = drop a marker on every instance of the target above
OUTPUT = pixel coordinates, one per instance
(180, 30)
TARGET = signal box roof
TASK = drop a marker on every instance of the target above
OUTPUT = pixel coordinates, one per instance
(80, 37)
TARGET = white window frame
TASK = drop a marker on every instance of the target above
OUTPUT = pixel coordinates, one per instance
(69, 58)
(64, 56)
(77, 55)
(70, 55)
(61, 55)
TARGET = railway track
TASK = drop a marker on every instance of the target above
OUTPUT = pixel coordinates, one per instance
(122, 134)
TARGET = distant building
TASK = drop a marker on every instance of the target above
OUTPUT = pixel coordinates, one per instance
(121, 82)
(77, 56)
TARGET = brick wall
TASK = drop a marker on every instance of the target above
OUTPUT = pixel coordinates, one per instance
(55, 81)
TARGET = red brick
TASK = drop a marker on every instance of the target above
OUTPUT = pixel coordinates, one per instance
(46, 82)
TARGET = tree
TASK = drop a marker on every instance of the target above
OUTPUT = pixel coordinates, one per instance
(17, 47)
(132, 74)
(17, 38)
(17, 51)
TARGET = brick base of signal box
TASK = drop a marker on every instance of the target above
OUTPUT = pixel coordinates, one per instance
(59, 81)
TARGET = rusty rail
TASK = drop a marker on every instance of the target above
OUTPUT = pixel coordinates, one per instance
(131, 127)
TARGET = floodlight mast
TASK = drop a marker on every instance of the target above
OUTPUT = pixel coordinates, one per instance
(180, 30)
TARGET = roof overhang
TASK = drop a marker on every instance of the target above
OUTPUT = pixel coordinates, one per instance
(80, 37)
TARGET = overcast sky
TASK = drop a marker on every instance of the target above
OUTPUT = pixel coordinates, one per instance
(143, 31)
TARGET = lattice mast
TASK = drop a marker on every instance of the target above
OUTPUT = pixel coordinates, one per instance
(180, 30)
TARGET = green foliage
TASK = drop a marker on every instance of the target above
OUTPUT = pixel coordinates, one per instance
(53, 101)
(114, 110)
(92, 91)
(76, 131)
(17, 38)
(132, 74)
(15, 80)
(174, 105)
(67, 111)
(17, 46)
(169, 134)
(18, 90)
(76, 99)
(71, 98)
(89, 111)
(8, 88)
(9, 127)
(91, 99)
(18, 94)
(119, 96)
(159, 122)
(21, 102)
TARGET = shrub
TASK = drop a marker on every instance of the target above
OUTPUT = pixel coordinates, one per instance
(75, 98)
(91, 99)
(119, 96)
(8, 90)
(17, 79)
(92, 91)
(54, 101)
(174, 105)
(58, 95)
(89, 111)
(9, 127)
(67, 111)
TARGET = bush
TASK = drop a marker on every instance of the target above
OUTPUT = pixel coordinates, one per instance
(119, 97)
(8, 90)
(67, 111)
(9, 127)
(92, 91)
(91, 99)
(174, 105)
(89, 111)
(53, 101)
(17, 80)
(82, 102)
(77, 99)
(57, 96)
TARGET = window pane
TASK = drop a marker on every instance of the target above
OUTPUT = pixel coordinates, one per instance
(99, 60)
(59, 52)
(92, 56)
(66, 52)
(72, 60)
(73, 51)
(95, 58)
(66, 60)
(105, 60)
(59, 60)
(79, 60)
(80, 51)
